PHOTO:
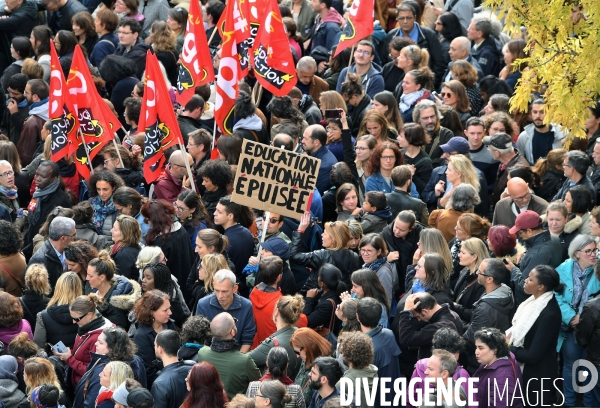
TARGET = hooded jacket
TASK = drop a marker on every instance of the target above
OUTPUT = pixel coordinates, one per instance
(311, 110)
(137, 53)
(10, 394)
(263, 304)
(325, 32)
(372, 82)
(53, 325)
(525, 139)
(30, 133)
(375, 221)
(369, 374)
(119, 300)
(21, 21)
(253, 129)
(489, 56)
(503, 371)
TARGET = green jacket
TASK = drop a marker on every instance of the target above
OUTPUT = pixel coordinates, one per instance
(280, 338)
(370, 373)
(306, 18)
(236, 369)
(302, 379)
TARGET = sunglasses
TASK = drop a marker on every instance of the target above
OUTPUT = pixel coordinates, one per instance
(446, 94)
(273, 220)
(77, 319)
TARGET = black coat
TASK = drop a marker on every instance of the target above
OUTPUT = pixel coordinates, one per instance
(32, 304)
(64, 16)
(21, 21)
(399, 200)
(406, 248)
(137, 54)
(125, 260)
(358, 112)
(587, 332)
(144, 340)
(131, 177)
(319, 310)
(539, 353)
(187, 125)
(46, 255)
(59, 325)
(466, 292)
(169, 389)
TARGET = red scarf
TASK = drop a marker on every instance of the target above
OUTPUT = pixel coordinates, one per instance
(105, 395)
(284, 379)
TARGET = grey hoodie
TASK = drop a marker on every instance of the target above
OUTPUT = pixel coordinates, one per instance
(372, 82)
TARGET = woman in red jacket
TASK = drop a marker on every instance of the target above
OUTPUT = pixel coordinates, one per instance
(90, 322)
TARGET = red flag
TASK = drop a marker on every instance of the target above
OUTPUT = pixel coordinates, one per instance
(157, 119)
(359, 25)
(196, 63)
(234, 24)
(61, 110)
(95, 119)
(273, 61)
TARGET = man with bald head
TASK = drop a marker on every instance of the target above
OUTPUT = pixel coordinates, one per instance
(520, 198)
(460, 49)
(236, 369)
(174, 179)
(314, 140)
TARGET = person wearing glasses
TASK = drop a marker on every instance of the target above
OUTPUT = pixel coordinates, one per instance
(364, 66)
(273, 394)
(236, 369)
(174, 179)
(131, 44)
(494, 309)
(520, 198)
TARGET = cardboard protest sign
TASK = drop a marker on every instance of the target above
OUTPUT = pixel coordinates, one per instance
(273, 179)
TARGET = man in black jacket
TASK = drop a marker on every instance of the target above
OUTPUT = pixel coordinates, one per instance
(131, 45)
(400, 198)
(60, 13)
(52, 254)
(16, 19)
(169, 389)
(424, 37)
(486, 50)
(189, 118)
(17, 110)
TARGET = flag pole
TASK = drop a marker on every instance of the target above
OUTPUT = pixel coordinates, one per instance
(118, 153)
(212, 35)
(351, 54)
(87, 152)
(187, 165)
(214, 135)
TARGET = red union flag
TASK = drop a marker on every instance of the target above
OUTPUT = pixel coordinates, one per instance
(96, 122)
(273, 61)
(196, 64)
(234, 24)
(157, 119)
(61, 111)
(359, 25)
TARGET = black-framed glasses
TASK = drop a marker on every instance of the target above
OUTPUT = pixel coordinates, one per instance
(483, 274)
(7, 173)
(77, 319)
(262, 396)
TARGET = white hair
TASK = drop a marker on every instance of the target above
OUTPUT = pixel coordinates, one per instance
(223, 274)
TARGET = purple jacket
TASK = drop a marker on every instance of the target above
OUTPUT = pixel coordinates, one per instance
(419, 372)
(8, 333)
(502, 370)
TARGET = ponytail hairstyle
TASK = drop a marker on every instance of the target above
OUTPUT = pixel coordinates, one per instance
(276, 392)
(84, 304)
(423, 77)
(331, 277)
(212, 238)
(553, 158)
(192, 201)
(352, 86)
(277, 360)
(547, 276)
(418, 56)
(21, 346)
(104, 265)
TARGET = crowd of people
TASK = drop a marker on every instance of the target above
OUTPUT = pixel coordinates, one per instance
(447, 237)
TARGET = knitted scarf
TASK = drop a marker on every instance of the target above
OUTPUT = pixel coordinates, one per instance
(376, 264)
(10, 194)
(407, 100)
(580, 292)
(101, 211)
(525, 317)
(221, 346)
(39, 195)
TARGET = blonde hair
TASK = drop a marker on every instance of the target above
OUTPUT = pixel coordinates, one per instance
(211, 264)
(339, 233)
(432, 241)
(36, 279)
(375, 116)
(147, 255)
(39, 371)
(68, 288)
(418, 56)
(120, 371)
(464, 166)
(332, 100)
(475, 246)
(290, 308)
(32, 69)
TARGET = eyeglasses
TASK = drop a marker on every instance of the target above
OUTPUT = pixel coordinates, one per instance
(388, 157)
(191, 145)
(367, 251)
(274, 220)
(124, 32)
(360, 148)
(525, 197)
(566, 165)
(589, 252)
(78, 319)
(362, 52)
(107, 160)
(262, 396)
(7, 173)
(178, 165)
(177, 207)
(404, 18)
(483, 274)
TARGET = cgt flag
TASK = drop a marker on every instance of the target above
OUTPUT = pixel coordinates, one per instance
(196, 64)
(61, 110)
(273, 61)
(96, 122)
(158, 120)
(359, 25)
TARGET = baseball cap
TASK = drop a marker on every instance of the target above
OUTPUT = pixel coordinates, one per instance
(140, 398)
(525, 220)
(456, 144)
(278, 246)
(499, 141)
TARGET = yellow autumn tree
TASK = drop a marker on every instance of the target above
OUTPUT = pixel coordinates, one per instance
(564, 56)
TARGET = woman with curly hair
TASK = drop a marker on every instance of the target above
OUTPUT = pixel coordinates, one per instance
(171, 237)
(115, 343)
(205, 388)
(39, 371)
(195, 332)
(102, 185)
(129, 202)
(37, 288)
(501, 122)
(216, 176)
(153, 315)
(385, 103)
(164, 43)
(13, 261)
(11, 319)
(78, 255)
(85, 31)
(114, 294)
(55, 323)
(466, 74)
(158, 276)
(385, 157)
